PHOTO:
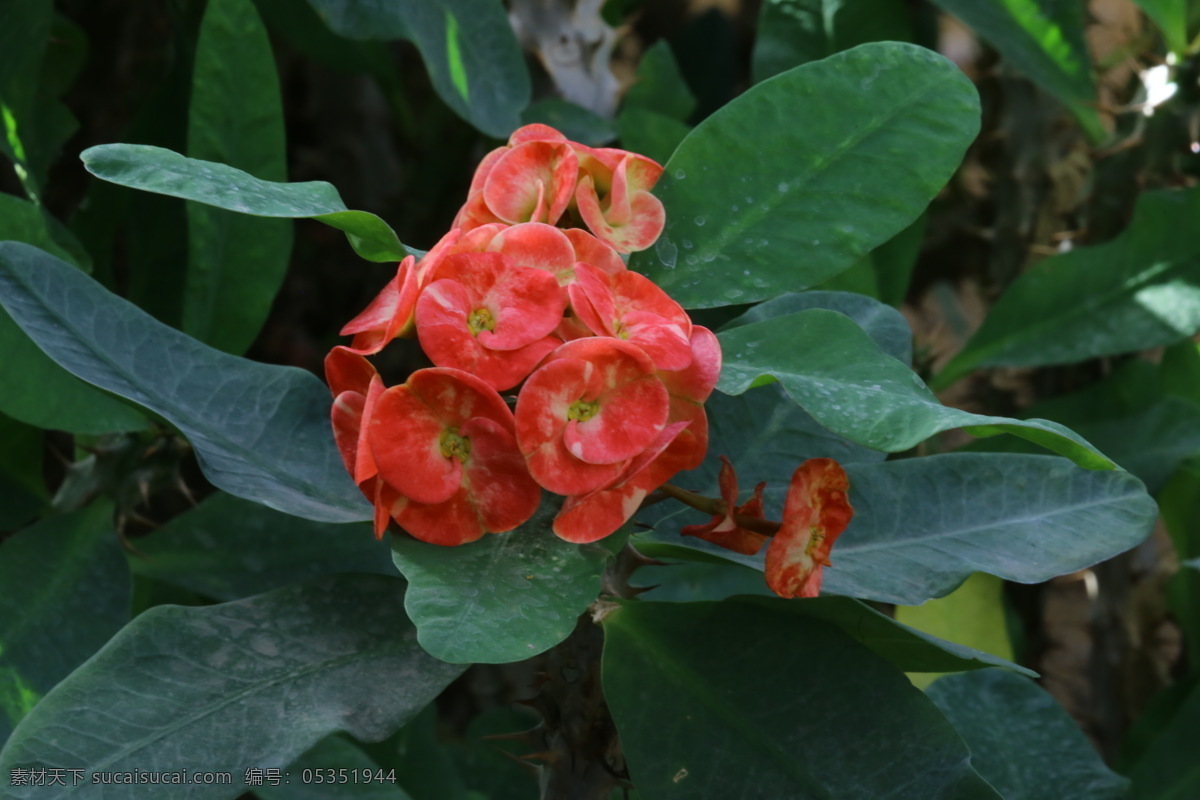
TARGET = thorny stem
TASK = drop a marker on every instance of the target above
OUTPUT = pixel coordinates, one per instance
(715, 506)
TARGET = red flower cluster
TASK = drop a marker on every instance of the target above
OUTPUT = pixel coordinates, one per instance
(528, 293)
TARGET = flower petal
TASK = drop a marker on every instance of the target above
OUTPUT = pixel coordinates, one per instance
(815, 512)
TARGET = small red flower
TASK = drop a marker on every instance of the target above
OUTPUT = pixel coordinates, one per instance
(815, 512)
(613, 198)
(594, 405)
(532, 179)
(723, 530)
(443, 444)
(483, 314)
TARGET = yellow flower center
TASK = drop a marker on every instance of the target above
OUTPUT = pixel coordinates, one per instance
(454, 445)
(480, 320)
(582, 410)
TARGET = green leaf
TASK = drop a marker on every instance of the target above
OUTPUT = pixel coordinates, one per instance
(156, 169)
(805, 173)
(886, 271)
(649, 133)
(1022, 741)
(836, 373)
(229, 548)
(973, 614)
(1140, 290)
(253, 683)
(503, 598)
(260, 431)
(1179, 504)
(66, 592)
(658, 85)
(340, 769)
(468, 46)
(37, 390)
(884, 324)
(1168, 769)
(710, 698)
(1044, 40)
(1171, 18)
(794, 32)
(23, 39)
(236, 262)
(922, 525)
(22, 488)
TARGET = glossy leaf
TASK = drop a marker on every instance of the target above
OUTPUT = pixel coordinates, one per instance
(922, 525)
(228, 548)
(973, 614)
(884, 127)
(1138, 291)
(260, 431)
(1022, 741)
(468, 46)
(1043, 40)
(574, 121)
(155, 169)
(794, 32)
(649, 133)
(37, 390)
(1179, 504)
(503, 598)
(253, 683)
(836, 373)
(1167, 769)
(236, 262)
(712, 697)
(884, 324)
(66, 591)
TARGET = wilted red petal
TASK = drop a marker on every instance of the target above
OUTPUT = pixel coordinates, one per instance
(387, 316)
(723, 530)
(815, 512)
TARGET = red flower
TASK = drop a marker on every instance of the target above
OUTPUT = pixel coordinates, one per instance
(815, 512)
(723, 530)
(631, 307)
(532, 179)
(594, 405)
(444, 448)
(389, 315)
(483, 314)
(613, 198)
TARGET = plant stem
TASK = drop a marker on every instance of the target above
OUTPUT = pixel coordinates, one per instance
(716, 506)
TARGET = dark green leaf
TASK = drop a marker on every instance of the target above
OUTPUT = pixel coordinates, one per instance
(37, 390)
(1022, 741)
(228, 548)
(1138, 291)
(23, 38)
(649, 133)
(468, 46)
(836, 373)
(884, 324)
(66, 591)
(721, 700)
(922, 525)
(884, 273)
(658, 85)
(503, 598)
(1168, 769)
(260, 431)
(236, 262)
(340, 769)
(1043, 39)
(155, 169)
(1171, 18)
(22, 489)
(253, 683)
(1179, 504)
(806, 173)
(794, 32)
